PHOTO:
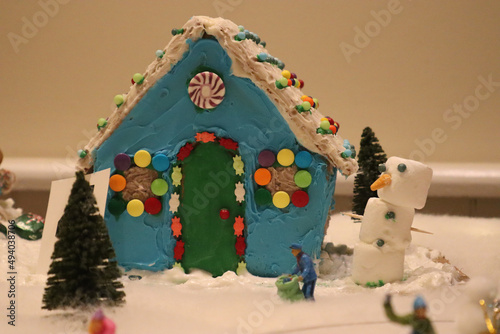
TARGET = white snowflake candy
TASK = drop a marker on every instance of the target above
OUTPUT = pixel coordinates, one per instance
(206, 90)
(239, 192)
(174, 202)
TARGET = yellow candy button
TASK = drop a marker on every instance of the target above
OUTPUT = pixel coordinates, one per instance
(135, 208)
(142, 158)
(285, 157)
(281, 199)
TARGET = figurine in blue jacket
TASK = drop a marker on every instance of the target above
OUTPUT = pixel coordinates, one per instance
(305, 270)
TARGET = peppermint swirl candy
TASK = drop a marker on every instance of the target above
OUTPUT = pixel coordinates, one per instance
(206, 90)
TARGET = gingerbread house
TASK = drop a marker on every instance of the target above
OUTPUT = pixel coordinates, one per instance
(217, 158)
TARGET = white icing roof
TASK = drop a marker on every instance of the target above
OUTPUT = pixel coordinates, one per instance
(245, 64)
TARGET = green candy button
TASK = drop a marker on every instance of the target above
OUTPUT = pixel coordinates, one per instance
(263, 196)
(116, 206)
(302, 179)
(159, 187)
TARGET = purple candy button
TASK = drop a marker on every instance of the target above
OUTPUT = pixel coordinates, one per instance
(266, 158)
(122, 161)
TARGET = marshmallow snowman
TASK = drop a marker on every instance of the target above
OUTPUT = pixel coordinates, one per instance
(386, 226)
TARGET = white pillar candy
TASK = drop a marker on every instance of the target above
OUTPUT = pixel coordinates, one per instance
(409, 183)
(387, 222)
(372, 263)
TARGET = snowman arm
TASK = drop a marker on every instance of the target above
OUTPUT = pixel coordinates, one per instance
(420, 231)
(353, 215)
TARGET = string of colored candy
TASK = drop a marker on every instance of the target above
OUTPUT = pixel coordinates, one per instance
(101, 123)
(307, 103)
(245, 34)
(177, 31)
(327, 126)
(264, 57)
(349, 152)
(289, 80)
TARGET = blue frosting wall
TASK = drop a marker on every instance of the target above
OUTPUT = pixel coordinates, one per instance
(165, 119)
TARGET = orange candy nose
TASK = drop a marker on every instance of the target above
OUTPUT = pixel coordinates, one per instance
(382, 181)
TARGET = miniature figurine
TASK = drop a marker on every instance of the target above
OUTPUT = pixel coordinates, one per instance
(305, 270)
(417, 320)
(289, 288)
(99, 324)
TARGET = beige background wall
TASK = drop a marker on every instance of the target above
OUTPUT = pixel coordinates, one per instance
(59, 78)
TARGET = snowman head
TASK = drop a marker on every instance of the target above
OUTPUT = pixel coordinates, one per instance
(403, 182)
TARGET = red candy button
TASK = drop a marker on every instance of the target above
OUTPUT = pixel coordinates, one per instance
(152, 205)
(300, 198)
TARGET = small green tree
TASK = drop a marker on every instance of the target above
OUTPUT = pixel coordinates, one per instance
(82, 272)
(370, 156)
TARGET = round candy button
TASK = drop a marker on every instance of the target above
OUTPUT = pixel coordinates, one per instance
(303, 159)
(302, 178)
(263, 196)
(262, 176)
(281, 199)
(122, 161)
(142, 158)
(285, 157)
(300, 198)
(152, 206)
(161, 162)
(159, 187)
(266, 158)
(135, 208)
(116, 206)
(117, 182)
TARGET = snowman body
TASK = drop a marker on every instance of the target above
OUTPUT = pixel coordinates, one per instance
(386, 226)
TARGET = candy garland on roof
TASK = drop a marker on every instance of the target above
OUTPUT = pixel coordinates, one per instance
(245, 34)
(349, 152)
(289, 80)
(308, 102)
(265, 57)
(327, 126)
(101, 123)
(177, 31)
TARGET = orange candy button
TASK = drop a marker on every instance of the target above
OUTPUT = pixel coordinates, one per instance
(262, 176)
(117, 182)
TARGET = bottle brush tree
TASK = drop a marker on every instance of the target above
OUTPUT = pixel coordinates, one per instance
(82, 273)
(370, 156)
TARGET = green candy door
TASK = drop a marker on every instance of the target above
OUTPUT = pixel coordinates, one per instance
(208, 186)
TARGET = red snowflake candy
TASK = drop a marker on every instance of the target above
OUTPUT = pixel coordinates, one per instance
(240, 246)
(179, 250)
(238, 226)
(185, 151)
(228, 144)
